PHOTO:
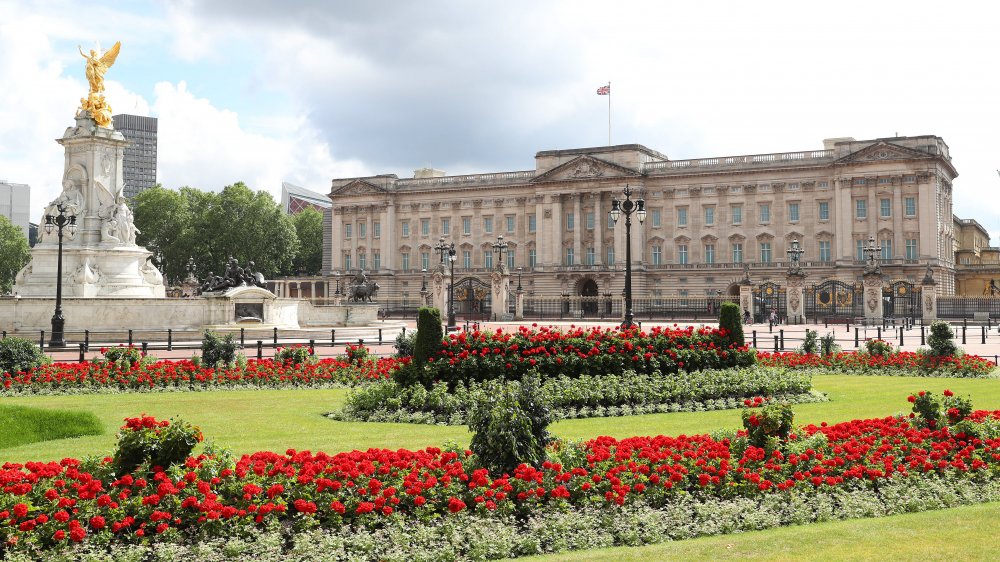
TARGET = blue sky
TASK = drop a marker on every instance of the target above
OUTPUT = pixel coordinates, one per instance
(308, 90)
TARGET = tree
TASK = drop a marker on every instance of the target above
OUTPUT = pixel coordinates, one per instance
(162, 215)
(309, 230)
(14, 253)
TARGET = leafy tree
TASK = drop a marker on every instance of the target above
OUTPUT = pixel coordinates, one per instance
(162, 216)
(309, 230)
(14, 253)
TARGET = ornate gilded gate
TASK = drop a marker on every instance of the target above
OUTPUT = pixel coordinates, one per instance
(834, 298)
(473, 299)
(901, 299)
(769, 297)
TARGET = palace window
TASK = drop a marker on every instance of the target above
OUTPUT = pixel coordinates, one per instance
(860, 250)
(347, 231)
(765, 252)
(347, 260)
(362, 261)
(765, 212)
(886, 246)
(824, 210)
(591, 256)
(737, 252)
(531, 223)
(709, 216)
(510, 224)
(682, 216)
(445, 227)
(709, 253)
(376, 260)
(362, 227)
(376, 229)
(657, 256)
(911, 206)
(466, 225)
(425, 260)
(532, 258)
(570, 220)
(611, 255)
(488, 259)
(884, 208)
(824, 250)
(404, 261)
(569, 256)
(654, 217)
(682, 254)
(488, 225)
(510, 259)
(737, 214)
(793, 212)
(405, 228)
(911, 248)
(861, 208)
(466, 259)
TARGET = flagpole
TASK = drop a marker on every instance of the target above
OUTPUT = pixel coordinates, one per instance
(609, 114)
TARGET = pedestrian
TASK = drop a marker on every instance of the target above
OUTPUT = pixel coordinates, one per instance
(746, 317)
(774, 318)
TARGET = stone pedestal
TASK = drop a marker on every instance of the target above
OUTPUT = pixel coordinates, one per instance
(101, 259)
(873, 297)
(746, 300)
(519, 305)
(499, 290)
(928, 297)
(795, 285)
(439, 291)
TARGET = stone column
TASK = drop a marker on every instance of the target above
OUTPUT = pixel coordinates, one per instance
(746, 298)
(928, 297)
(795, 283)
(598, 228)
(519, 305)
(579, 224)
(500, 280)
(337, 240)
(873, 296)
(439, 292)
(388, 246)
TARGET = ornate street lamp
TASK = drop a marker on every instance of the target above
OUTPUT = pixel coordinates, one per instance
(794, 256)
(336, 275)
(519, 271)
(871, 266)
(500, 247)
(448, 253)
(628, 207)
(423, 280)
(60, 221)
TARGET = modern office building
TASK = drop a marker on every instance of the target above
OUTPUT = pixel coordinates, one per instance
(706, 218)
(15, 204)
(294, 199)
(140, 154)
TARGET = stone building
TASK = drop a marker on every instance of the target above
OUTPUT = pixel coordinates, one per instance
(706, 218)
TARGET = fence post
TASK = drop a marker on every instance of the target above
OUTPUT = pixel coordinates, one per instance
(878, 332)
(260, 350)
(782, 333)
(81, 353)
(856, 344)
(380, 335)
(900, 336)
(847, 326)
(775, 344)
(921, 334)
(41, 339)
(770, 327)
(826, 323)
(984, 334)
(275, 336)
(130, 337)
(145, 348)
(963, 335)
(86, 339)
(170, 339)
(755, 339)
(242, 336)
(333, 336)
(312, 347)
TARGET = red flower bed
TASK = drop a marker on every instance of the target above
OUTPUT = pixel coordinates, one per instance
(185, 374)
(50, 503)
(901, 363)
(479, 355)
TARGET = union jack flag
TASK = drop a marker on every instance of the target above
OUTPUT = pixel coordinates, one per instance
(604, 90)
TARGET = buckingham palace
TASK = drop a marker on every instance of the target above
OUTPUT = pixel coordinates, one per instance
(706, 219)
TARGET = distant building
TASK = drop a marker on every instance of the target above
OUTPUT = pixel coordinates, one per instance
(140, 154)
(295, 199)
(15, 203)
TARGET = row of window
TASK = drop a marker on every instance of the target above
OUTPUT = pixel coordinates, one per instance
(656, 255)
(425, 226)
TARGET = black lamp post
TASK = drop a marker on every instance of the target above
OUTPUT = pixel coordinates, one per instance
(628, 207)
(519, 271)
(60, 221)
(423, 280)
(499, 247)
(337, 276)
(448, 253)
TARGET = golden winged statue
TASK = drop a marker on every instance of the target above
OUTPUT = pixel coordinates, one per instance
(97, 65)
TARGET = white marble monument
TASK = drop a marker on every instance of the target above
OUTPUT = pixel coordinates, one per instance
(101, 259)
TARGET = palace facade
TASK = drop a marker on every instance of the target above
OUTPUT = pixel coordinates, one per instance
(706, 218)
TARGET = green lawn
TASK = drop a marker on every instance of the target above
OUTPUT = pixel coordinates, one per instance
(21, 425)
(247, 421)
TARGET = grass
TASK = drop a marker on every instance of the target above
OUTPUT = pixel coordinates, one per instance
(947, 534)
(24, 425)
(247, 421)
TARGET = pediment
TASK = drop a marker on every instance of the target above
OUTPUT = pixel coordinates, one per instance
(585, 168)
(359, 187)
(883, 151)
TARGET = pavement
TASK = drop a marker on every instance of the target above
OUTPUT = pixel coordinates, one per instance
(978, 340)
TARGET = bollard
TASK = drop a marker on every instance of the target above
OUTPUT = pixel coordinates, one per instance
(81, 353)
(86, 340)
(380, 335)
(826, 323)
(770, 327)
(242, 336)
(984, 334)
(782, 333)
(145, 348)
(130, 337)
(921, 335)
(260, 350)
(963, 335)
(901, 337)
(170, 339)
(361, 342)
(847, 325)
(404, 331)
(4, 335)
(855, 337)
(333, 337)
(312, 347)
(755, 339)
(878, 332)
(775, 344)
(41, 339)
(275, 336)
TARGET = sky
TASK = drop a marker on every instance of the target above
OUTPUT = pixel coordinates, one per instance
(306, 91)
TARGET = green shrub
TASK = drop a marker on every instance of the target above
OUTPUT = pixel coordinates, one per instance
(293, 355)
(729, 320)
(147, 441)
(216, 350)
(769, 426)
(19, 354)
(809, 345)
(429, 334)
(828, 344)
(509, 423)
(405, 343)
(933, 412)
(941, 340)
(879, 348)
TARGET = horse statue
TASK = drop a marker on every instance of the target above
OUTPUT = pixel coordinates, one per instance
(363, 293)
